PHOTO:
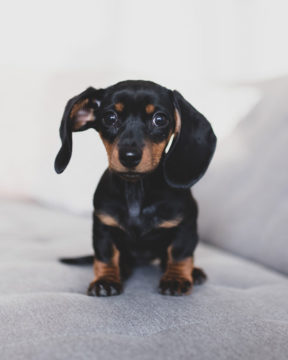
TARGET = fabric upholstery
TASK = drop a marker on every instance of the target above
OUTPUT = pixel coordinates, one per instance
(243, 199)
(240, 313)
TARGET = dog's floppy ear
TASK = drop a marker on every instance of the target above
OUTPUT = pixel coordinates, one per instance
(192, 148)
(79, 114)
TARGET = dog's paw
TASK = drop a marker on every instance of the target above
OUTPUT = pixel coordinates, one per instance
(175, 285)
(105, 287)
(199, 276)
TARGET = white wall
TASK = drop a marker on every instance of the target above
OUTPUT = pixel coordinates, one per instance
(51, 51)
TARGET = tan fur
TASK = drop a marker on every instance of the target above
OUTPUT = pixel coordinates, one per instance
(178, 269)
(167, 224)
(108, 220)
(156, 152)
(81, 114)
(113, 155)
(119, 106)
(78, 106)
(150, 108)
(109, 271)
(82, 119)
(177, 122)
(150, 157)
(151, 154)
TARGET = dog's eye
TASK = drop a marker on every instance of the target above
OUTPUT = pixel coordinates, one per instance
(110, 118)
(159, 119)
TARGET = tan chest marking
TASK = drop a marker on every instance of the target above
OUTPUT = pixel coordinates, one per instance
(166, 224)
(108, 220)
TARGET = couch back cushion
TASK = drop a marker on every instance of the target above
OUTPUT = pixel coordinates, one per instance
(243, 200)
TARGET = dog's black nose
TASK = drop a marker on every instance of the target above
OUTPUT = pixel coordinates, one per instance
(130, 156)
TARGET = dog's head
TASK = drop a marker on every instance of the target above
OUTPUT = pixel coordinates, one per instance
(136, 120)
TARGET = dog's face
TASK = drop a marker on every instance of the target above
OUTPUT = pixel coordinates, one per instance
(135, 124)
(135, 120)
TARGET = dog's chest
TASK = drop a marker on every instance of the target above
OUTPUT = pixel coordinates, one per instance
(134, 198)
(143, 210)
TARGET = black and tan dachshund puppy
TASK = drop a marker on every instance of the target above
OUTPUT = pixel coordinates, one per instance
(143, 205)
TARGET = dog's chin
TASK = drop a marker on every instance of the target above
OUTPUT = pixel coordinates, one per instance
(131, 175)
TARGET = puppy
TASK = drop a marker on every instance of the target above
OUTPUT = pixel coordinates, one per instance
(143, 206)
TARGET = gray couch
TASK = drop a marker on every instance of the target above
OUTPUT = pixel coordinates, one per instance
(241, 312)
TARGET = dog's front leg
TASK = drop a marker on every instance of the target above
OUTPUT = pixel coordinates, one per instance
(107, 280)
(180, 273)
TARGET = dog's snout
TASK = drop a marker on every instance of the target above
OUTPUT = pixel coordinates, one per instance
(130, 156)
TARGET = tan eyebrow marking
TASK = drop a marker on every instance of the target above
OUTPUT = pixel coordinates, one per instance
(166, 224)
(119, 106)
(150, 108)
(108, 220)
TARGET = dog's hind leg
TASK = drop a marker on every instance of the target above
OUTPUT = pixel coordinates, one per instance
(199, 276)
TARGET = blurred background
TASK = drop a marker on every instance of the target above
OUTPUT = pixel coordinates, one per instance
(218, 54)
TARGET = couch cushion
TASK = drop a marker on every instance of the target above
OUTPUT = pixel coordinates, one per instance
(243, 199)
(240, 313)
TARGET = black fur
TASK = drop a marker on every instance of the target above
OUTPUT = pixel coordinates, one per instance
(140, 201)
(193, 149)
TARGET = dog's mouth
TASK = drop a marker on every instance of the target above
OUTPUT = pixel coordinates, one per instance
(131, 175)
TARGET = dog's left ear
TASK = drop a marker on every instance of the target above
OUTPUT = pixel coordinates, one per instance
(192, 148)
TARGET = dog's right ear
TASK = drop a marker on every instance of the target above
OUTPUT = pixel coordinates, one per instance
(79, 114)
